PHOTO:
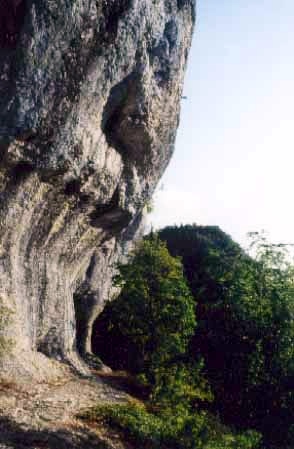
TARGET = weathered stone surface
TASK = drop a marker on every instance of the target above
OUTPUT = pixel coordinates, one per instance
(89, 107)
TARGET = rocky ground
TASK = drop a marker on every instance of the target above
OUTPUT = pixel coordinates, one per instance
(44, 415)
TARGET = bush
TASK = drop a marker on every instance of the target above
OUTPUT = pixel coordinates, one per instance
(174, 429)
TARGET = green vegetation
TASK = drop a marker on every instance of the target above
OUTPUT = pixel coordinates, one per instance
(245, 329)
(205, 383)
(154, 314)
(149, 430)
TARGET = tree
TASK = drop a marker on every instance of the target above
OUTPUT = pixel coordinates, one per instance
(146, 330)
(245, 333)
(271, 367)
(153, 318)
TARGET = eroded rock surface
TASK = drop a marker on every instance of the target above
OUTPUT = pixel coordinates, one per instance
(89, 107)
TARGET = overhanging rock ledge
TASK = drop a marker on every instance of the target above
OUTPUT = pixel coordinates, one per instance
(89, 107)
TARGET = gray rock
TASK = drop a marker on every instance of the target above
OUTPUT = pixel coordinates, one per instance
(89, 107)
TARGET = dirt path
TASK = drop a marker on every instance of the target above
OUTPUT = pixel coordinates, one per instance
(38, 416)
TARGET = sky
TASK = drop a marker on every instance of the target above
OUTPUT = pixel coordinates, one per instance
(233, 164)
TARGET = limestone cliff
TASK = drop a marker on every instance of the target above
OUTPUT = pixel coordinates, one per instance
(89, 107)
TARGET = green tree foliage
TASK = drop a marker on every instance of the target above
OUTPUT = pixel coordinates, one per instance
(245, 325)
(147, 330)
(153, 318)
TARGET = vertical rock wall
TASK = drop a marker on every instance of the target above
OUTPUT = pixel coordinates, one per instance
(89, 107)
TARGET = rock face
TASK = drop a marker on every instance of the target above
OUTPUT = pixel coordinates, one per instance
(89, 107)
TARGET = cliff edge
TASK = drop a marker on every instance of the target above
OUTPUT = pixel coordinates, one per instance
(89, 107)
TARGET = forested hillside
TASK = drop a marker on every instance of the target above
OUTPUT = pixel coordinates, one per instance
(214, 365)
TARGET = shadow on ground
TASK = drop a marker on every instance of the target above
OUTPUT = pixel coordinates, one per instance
(13, 436)
(124, 382)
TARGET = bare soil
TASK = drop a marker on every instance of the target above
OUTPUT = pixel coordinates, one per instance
(44, 415)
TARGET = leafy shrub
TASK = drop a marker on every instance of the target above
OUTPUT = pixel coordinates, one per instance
(180, 385)
(174, 429)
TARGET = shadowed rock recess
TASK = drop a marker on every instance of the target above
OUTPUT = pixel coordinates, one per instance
(89, 107)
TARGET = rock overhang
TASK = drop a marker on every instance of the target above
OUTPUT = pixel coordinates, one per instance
(89, 108)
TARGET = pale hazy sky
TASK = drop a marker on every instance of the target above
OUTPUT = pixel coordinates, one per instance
(234, 160)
